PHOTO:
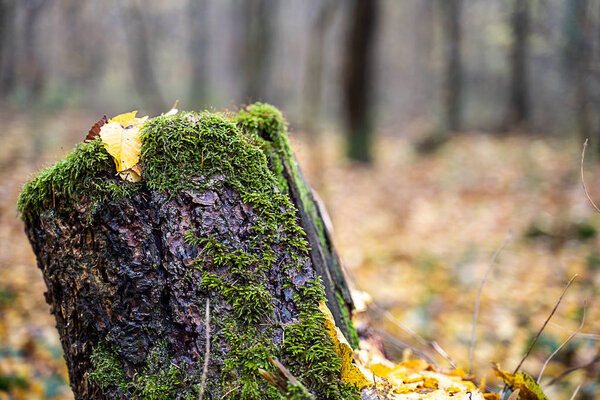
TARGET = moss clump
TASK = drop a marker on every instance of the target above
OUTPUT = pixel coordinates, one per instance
(159, 380)
(84, 173)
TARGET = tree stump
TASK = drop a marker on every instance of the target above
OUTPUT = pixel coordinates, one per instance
(197, 279)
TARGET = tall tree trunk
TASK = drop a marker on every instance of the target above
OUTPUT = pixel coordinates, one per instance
(358, 74)
(313, 79)
(453, 79)
(577, 59)
(199, 32)
(86, 48)
(7, 46)
(199, 273)
(32, 72)
(260, 25)
(139, 57)
(518, 106)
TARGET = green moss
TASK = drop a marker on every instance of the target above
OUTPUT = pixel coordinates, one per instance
(197, 151)
(159, 380)
(83, 173)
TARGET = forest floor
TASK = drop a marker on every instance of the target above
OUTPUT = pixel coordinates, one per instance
(416, 232)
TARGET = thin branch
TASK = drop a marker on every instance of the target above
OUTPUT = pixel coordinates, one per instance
(568, 371)
(576, 391)
(435, 346)
(478, 299)
(583, 181)
(545, 323)
(571, 336)
(207, 352)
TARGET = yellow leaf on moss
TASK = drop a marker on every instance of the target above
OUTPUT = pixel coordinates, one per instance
(121, 138)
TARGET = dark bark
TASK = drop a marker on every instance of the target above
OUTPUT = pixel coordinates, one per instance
(127, 279)
(140, 60)
(518, 105)
(358, 74)
(198, 50)
(453, 79)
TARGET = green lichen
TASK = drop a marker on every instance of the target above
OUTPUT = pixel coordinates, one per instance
(195, 151)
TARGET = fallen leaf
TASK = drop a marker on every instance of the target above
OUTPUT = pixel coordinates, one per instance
(95, 130)
(529, 390)
(121, 138)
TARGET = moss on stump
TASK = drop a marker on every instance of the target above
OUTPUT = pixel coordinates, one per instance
(222, 215)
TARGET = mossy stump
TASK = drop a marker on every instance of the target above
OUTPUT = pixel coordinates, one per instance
(222, 226)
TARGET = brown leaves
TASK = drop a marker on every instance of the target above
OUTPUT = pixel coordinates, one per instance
(95, 130)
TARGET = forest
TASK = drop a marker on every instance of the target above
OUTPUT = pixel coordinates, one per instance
(443, 140)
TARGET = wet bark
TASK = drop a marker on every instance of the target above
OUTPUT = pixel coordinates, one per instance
(125, 277)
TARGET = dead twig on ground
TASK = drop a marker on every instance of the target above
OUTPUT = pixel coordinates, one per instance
(478, 299)
(587, 194)
(571, 336)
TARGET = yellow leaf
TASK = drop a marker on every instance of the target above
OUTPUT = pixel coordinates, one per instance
(528, 389)
(121, 138)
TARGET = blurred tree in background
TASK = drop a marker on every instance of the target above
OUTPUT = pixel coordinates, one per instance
(365, 66)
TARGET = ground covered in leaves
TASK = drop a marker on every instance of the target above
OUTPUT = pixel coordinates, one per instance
(417, 233)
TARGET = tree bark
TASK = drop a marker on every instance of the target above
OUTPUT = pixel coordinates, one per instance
(358, 64)
(147, 282)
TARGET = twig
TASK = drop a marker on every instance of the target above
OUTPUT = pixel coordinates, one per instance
(478, 299)
(571, 336)
(435, 346)
(543, 326)
(207, 352)
(568, 371)
(583, 181)
(576, 391)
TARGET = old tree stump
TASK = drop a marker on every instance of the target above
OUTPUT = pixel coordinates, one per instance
(222, 225)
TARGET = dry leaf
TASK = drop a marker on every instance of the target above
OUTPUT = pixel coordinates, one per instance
(95, 130)
(529, 390)
(121, 138)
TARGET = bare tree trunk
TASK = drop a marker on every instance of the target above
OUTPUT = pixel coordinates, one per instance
(199, 273)
(518, 106)
(32, 71)
(198, 50)
(313, 79)
(139, 57)
(86, 49)
(260, 25)
(577, 59)
(453, 80)
(358, 82)
(7, 47)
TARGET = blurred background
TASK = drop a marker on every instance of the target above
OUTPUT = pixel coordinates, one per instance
(430, 128)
